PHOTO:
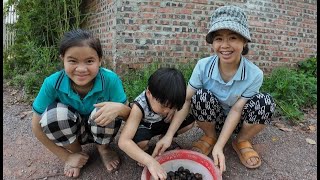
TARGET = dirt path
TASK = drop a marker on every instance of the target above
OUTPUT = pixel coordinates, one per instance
(286, 153)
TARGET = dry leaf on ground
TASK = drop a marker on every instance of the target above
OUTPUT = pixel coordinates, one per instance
(312, 128)
(24, 114)
(285, 129)
(279, 125)
(275, 139)
(310, 141)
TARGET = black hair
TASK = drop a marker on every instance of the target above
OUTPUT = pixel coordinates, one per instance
(210, 36)
(168, 86)
(79, 37)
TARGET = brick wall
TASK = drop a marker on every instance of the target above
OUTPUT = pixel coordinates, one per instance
(134, 33)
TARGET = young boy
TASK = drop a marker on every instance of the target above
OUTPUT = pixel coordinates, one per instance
(151, 115)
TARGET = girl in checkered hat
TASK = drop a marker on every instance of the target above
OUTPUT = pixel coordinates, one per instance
(223, 92)
(83, 103)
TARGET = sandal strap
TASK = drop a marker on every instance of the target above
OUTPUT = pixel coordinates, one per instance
(250, 154)
(204, 144)
(201, 146)
(244, 145)
(211, 141)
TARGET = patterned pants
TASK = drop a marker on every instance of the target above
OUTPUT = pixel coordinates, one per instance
(63, 125)
(206, 107)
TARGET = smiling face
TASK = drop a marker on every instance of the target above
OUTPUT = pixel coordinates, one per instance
(156, 106)
(81, 63)
(228, 45)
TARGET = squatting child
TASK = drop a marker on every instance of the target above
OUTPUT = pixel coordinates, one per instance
(151, 115)
(83, 103)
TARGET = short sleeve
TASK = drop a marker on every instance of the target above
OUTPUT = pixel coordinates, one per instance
(117, 93)
(254, 87)
(45, 97)
(195, 80)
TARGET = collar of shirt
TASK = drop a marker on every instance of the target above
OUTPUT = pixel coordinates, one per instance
(64, 85)
(214, 71)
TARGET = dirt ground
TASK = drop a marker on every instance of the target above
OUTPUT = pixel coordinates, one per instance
(287, 151)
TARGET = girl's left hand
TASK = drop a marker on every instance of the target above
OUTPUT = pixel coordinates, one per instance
(219, 158)
(170, 115)
(106, 113)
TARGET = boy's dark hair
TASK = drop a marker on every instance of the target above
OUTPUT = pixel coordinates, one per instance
(79, 38)
(168, 86)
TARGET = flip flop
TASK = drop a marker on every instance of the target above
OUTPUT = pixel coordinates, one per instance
(244, 156)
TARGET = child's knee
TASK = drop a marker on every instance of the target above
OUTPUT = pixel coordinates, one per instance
(143, 145)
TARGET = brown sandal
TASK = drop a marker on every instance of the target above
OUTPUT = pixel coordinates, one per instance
(244, 156)
(204, 145)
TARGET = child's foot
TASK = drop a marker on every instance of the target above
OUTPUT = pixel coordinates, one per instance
(73, 164)
(109, 158)
(70, 171)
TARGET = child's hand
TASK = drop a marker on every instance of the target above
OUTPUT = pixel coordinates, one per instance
(170, 116)
(108, 111)
(162, 145)
(77, 159)
(219, 158)
(156, 170)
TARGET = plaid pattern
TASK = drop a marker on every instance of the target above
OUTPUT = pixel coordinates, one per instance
(257, 110)
(229, 17)
(63, 125)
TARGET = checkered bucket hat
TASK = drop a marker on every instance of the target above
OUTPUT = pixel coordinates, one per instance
(229, 17)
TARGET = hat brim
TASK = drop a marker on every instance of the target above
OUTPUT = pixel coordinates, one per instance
(236, 27)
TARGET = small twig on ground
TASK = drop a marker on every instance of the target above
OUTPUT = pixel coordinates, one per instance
(31, 173)
(47, 176)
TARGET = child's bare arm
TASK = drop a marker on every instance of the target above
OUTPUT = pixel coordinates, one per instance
(132, 149)
(126, 142)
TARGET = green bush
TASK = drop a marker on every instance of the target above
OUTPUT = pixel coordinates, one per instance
(292, 90)
(38, 30)
(308, 67)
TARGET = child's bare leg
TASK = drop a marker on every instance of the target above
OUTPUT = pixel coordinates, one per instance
(109, 157)
(75, 161)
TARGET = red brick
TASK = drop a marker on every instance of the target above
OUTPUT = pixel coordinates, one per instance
(284, 29)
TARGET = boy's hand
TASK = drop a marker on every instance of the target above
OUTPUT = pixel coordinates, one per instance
(170, 116)
(162, 145)
(219, 158)
(156, 170)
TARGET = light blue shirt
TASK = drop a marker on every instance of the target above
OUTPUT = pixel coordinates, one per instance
(245, 83)
(57, 87)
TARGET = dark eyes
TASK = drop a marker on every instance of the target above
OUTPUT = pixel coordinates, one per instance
(89, 61)
(220, 38)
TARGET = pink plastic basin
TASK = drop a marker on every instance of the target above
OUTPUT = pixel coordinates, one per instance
(194, 161)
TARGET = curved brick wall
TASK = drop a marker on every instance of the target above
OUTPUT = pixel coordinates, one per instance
(134, 33)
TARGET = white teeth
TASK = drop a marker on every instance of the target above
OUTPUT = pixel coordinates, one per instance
(226, 53)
